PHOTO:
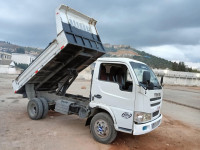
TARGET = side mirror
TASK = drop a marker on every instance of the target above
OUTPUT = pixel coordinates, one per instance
(161, 80)
(146, 77)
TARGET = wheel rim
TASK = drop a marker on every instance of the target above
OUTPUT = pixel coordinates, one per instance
(32, 109)
(101, 128)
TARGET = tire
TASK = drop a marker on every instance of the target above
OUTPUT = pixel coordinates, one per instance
(102, 128)
(45, 107)
(35, 109)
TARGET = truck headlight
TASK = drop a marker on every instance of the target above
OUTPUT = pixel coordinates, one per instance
(141, 117)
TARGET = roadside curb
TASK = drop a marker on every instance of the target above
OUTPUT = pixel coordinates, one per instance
(182, 90)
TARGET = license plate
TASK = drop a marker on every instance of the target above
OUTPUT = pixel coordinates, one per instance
(155, 124)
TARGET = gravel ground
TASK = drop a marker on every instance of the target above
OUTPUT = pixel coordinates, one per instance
(189, 96)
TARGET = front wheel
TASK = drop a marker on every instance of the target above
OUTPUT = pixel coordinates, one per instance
(102, 128)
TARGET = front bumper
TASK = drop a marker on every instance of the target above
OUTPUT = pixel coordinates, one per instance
(147, 127)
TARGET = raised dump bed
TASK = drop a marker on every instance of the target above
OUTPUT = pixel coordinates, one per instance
(77, 45)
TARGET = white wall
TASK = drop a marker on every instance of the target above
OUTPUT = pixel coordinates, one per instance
(5, 56)
(178, 77)
(6, 69)
(22, 58)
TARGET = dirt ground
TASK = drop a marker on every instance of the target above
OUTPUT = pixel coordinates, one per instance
(59, 132)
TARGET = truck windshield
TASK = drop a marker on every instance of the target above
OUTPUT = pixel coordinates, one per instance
(139, 69)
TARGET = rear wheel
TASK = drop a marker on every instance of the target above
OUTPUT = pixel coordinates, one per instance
(45, 107)
(102, 128)
(35, 109)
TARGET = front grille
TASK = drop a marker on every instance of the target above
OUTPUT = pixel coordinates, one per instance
(154, 99)
(154, 104)
(155, 113)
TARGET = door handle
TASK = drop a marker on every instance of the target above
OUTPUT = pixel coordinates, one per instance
(98, 96)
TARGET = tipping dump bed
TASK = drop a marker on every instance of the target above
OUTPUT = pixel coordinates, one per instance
(77, 45)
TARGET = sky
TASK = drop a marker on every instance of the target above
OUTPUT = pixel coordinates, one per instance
(166, 28)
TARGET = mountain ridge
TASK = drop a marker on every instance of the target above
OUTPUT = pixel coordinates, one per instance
(129, 52)
(111, 51)
(12, 48)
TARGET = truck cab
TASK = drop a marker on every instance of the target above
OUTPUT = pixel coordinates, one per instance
(130, 92)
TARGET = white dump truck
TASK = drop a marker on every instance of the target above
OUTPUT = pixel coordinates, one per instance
(125, 94)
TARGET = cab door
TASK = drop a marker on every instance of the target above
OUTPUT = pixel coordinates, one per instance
(115, 88)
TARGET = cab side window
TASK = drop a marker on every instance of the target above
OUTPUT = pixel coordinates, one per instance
(103, 75)
(117, 73)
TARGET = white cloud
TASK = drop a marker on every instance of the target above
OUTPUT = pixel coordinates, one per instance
(193, 65)
(185, 53)
(168, 52)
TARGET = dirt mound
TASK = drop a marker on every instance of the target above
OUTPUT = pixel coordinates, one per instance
(172, 134)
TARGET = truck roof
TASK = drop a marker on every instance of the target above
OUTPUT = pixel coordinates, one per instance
(119, 59)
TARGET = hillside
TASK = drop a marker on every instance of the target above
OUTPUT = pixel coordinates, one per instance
(112, 51)
(12, 48)
(127, 51)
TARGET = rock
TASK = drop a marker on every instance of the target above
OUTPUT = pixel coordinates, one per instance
(83, 87)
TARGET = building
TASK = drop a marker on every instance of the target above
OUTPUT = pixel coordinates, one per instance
(22, 58)
(121, 46)
(124, 53)
(107, 45)
(5, 56)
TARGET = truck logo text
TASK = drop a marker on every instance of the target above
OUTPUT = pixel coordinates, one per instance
(126, 115)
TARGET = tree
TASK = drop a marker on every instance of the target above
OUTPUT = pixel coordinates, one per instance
(174, 66)
(181, 66)
(22, 66)
(20, 50)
